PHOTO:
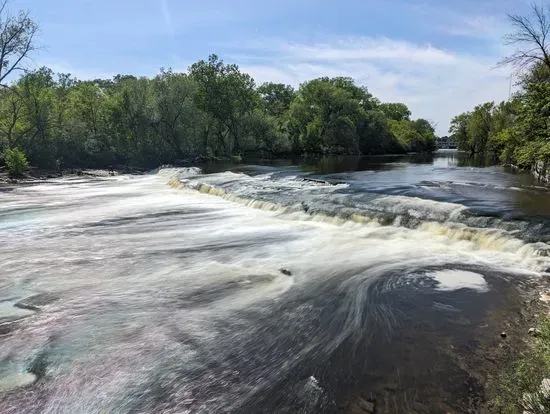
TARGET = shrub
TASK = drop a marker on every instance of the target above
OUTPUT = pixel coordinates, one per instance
(16, 162)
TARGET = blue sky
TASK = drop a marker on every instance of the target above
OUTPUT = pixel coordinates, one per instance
(438, 57)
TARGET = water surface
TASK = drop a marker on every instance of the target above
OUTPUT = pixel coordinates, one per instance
(265, 287)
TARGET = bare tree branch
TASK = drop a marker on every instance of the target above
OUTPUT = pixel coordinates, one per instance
(3, 5)
(532, 31)
(16, 40)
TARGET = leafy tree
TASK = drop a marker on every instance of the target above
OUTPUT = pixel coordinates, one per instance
(375, 136)
(10, 111)
(325, 116)
(459, 131)
(276, 98)
(395, 111)
(214, 110)
(479, 127)
(417, 136)
(518, 131)
(226, 94)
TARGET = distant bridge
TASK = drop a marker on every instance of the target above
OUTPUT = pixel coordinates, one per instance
(445, 143)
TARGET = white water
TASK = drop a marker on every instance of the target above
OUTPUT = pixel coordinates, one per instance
(448, 280)
(169, 300)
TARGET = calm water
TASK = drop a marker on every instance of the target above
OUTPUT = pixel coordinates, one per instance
(276, 287)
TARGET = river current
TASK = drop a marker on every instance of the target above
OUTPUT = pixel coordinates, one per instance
(271, 287)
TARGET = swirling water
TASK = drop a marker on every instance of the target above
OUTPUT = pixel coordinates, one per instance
(257, 288)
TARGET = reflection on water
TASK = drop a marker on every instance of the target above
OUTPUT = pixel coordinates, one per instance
(306, 286)
(339, 164)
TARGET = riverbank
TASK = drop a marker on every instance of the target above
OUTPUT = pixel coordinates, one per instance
(540, 172)
(41, 175)
(519, 376)
(467, 369)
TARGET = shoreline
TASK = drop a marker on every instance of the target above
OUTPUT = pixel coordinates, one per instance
(39, 176)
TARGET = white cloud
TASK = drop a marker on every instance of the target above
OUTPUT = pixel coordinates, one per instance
(436, 84)
(357, 49)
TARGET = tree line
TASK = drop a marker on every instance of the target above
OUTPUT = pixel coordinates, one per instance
(214, 110)
(516, 131)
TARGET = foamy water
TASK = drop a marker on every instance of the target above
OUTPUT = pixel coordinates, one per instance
(188, 292)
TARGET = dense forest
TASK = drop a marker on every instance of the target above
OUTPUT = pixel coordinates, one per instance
(212, 111)
(516, 131)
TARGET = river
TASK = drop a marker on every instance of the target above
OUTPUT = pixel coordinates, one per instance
(340, 285)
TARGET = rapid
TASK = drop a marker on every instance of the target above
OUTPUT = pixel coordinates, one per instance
(261, 288)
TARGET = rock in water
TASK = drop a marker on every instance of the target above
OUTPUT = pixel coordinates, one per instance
(285, 272)
(36, 302)
(362, 406)
(16, 380)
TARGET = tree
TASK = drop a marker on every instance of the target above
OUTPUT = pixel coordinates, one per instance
(479, 127)
(16, 40)
(375, 136)
(417, 136)
(532, 129)
(276, 98)
(37, 100)
(459, 131)
(10, 110)
(531, 35)
(177, 120)
(227, 95)
(395, 111)
(325, 116)
(215, 110)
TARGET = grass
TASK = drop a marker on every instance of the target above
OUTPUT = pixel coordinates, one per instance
(518, 388)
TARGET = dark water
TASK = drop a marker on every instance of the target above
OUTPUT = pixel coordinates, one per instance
(335, 285)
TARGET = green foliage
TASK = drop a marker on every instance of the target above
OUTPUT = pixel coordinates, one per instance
(214, 110)
(336, 116)
(226, 94)
(416, 136)
(395, 111)
(15, 161)
(518, 388)
(518, 130)
(276, 98)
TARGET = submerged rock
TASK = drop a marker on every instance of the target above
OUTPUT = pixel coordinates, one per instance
(362, 406)
(36, 302)
(16, 380)
(13, 375)
(285, 272)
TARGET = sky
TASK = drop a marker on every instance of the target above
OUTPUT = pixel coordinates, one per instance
(437, 56)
